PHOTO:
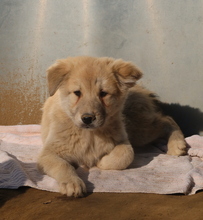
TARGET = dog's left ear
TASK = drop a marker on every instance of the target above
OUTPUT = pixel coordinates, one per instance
(126, 73)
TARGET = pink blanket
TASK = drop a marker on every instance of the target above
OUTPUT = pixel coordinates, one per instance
(151, 172)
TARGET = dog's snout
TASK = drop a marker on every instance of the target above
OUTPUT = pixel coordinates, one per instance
(88, 118)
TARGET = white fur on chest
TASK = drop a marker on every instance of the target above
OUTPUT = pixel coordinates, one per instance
(83, 147)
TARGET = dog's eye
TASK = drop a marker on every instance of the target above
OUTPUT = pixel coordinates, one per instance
(103, 94)
(77, 93)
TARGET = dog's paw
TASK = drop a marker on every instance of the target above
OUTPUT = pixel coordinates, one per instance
(118, 159)
(74, 187)
(177, 148)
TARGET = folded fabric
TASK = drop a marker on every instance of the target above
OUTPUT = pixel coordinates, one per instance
(152, 171)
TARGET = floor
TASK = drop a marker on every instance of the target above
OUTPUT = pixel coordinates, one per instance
(27, 203)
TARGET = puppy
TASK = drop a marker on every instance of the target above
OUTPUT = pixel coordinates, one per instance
(95, 115)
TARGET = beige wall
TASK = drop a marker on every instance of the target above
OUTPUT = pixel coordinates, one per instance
(164, 38)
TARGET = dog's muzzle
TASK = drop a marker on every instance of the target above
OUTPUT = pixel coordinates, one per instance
(88, 118)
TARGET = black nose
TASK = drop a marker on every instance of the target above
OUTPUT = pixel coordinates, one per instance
(88, 118)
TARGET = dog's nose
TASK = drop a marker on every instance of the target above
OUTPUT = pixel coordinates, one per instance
(88, 118)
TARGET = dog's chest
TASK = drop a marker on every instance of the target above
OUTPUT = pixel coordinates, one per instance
(92, 147)
(84, 147)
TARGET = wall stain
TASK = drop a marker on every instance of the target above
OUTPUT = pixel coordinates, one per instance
(18, 108)
(22, 95)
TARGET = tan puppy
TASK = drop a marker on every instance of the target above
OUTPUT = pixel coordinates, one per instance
(83, 121)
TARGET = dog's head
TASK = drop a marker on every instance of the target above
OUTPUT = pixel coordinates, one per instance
(91, 89)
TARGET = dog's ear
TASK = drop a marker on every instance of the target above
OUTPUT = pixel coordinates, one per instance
(126, 73)
(56, 74)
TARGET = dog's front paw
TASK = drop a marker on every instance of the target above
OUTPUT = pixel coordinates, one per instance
(177, 148)
(73, 187)
(118, 159)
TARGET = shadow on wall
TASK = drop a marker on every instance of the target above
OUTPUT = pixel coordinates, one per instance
(188, 118)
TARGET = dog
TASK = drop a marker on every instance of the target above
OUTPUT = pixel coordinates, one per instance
(96, 115)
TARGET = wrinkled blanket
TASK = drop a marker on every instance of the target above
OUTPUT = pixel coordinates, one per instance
(153, 171)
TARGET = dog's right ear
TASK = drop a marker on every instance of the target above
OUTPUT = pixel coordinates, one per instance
(56, 74)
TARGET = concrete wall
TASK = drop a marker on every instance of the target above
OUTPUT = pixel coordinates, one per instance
(164, 38)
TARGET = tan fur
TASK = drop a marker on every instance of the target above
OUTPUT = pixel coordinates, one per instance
(83, 122)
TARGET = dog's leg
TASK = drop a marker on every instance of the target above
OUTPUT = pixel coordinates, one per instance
(58, 168)
(176, 142)
(118, 159)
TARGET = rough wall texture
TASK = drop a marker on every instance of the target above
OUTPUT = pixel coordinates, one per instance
(164, 39)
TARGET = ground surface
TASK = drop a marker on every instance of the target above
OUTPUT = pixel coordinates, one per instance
(29, 204)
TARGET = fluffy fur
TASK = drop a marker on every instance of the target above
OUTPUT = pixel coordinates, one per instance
(95, 116)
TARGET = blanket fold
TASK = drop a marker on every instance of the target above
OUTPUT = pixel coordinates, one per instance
(152, 171)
